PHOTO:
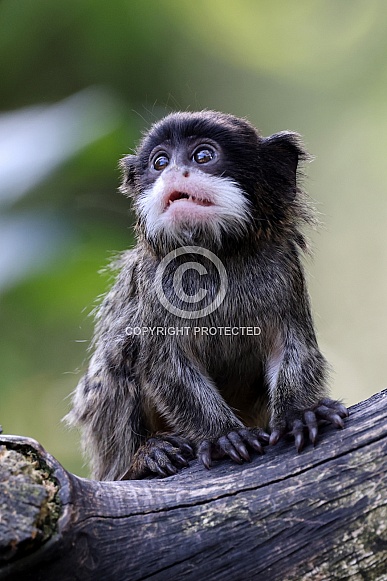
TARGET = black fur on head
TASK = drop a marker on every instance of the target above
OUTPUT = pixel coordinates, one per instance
(266, 169)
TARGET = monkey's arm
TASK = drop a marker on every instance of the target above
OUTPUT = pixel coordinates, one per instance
(195, 411)
(297, 387)
(296, 370)
(106, 402)
(109, 406)
(106, 408)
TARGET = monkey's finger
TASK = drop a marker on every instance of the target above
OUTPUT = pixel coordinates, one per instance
(227, 447)
(154, 467)
(187, 449)
(179, 459)
(204, 453)
(164, 446)
(311, 424)
(337, 406)
(261, 434)
(298, 433)
(299, 441)
(166, 452)
(325, 413)
(180, 443)
(163, 461)
(251, 438)
(170, 468)
(275, 436)
(237, 441)
(336, 420)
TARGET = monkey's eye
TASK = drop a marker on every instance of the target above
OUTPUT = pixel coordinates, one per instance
(203, 154)
(160, 162)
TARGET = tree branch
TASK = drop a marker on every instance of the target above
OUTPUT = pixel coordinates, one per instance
(319, 515)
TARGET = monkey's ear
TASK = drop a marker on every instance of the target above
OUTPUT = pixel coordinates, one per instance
(128, 167)
(281, 156)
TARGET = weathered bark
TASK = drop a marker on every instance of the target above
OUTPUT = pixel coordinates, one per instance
(319, 515)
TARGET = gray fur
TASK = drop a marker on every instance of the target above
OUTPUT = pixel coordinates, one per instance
(201, 387)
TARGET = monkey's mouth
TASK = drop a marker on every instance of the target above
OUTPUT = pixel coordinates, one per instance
(184, 197)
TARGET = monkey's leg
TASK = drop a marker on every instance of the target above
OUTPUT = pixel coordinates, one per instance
(162, 455)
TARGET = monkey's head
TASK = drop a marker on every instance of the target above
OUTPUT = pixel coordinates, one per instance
(210, 179)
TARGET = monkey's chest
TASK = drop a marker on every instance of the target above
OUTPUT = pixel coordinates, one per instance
(235, 364)
(227, 352)
(221, 329)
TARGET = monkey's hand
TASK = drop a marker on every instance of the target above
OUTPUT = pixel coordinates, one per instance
(296, 424)
(235, 445)
(161, 455)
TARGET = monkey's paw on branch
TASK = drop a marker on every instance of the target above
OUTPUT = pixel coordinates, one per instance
(235, 445)
(326, 411)
(161, 455)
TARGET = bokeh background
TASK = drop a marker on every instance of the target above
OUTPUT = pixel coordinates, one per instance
(81, 79)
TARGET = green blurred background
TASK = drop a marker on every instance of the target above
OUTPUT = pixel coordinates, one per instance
(81, 79)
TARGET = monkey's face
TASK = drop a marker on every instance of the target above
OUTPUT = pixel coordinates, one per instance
(186, 199)
(201, 179)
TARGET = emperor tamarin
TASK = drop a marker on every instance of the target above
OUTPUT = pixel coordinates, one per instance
(206, 339)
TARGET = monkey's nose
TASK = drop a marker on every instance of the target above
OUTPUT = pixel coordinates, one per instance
(184, 171)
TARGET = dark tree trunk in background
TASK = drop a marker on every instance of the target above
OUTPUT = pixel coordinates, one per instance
(319, 515)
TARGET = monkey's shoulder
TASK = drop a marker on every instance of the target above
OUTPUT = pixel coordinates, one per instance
(272, 269)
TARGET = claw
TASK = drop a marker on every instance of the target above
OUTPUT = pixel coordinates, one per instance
(298, 433)
(274, 437)
(179, 443)
(227, 447)
(330, 415)
(311, 424)
(242, 451)
(326, 409)
(187, 449)
(161, 455)
(337, 406)
(342, 411)
(264, 436)
(256, 445)
(180, 459)
(313, 432)
(337, 421)
(299, 441)
(204, 453)
(251, 437)
(170, 468)
(160, 471)
(237, 441)
(235, 445)
(154, 467)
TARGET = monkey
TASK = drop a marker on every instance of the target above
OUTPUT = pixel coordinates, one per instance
(216, 203)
